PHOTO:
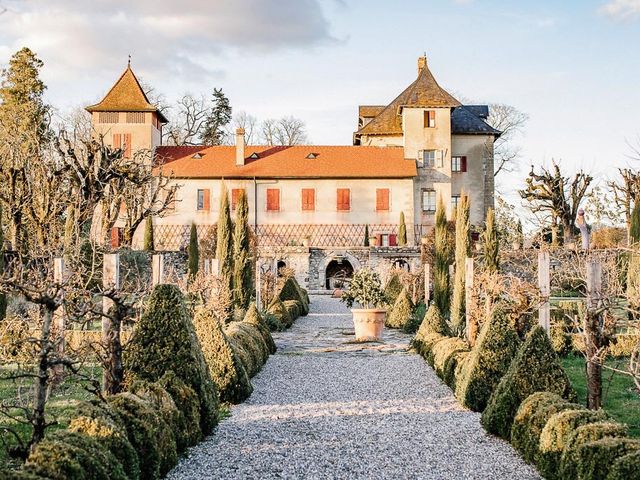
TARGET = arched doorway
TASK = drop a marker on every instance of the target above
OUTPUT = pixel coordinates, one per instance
(401, 264)
(338, 273)
(281, 264)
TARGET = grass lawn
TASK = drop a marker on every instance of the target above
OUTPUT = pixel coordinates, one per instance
(621, 398)
(60, 407)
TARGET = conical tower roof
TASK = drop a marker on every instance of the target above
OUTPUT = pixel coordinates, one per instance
(126, 95)
(424, 92)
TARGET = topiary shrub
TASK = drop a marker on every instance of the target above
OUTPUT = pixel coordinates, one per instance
(535, 368)
(141, 424)
(164, 339)
(188, 404)
(225, 367)
(291, 290)
(488, 362)
(452, 366)
(554, 436)
(442, 351)
(595, 459)
(249, 345)
(626, 467)
(582, 435)
(416, 319)
(20, 475)
(65, 455)
(113, 438)
(280, 312)
(526, 438)
(401, 312)
(294, 307)
(273, 323)
(432, 327)
(392, 289)
(253, 317)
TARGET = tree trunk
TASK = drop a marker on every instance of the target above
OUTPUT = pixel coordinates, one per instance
(42, 379)
(568, 232)
(113, 371)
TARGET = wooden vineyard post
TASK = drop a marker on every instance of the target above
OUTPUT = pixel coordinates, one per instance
(157, 269)
(594, 337)
(113, 372)
(544, 284)
(59, 319)
(427, 284)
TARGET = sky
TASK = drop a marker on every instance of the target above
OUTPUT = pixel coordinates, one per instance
(572, 66)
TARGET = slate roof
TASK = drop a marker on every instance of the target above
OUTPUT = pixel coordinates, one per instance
(286, 162)
(423, 92)
(464, 120)
(126, 95)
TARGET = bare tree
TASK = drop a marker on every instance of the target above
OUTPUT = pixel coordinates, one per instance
(188, 125)
(291, 131)
(248, 123)
(268, 131)
(626, 190)
(552, 193)
(510, 121)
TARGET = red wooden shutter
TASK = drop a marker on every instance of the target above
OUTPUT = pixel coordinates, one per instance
(115, 237)
(393, 240)
(117, 140)
(235, 197)
(463, 164)
(382, 199)
(273, 200)
(379, 239)
(344, 200)
(308, 199)
(127, 145)
(206, 203)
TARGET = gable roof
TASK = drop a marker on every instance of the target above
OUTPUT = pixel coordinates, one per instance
(465, 120)
(423, 92)
(287, 162)
(369, 110)
(126, 95)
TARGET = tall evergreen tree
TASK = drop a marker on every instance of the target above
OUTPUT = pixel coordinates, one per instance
(149, 243)
(194, 251)
(217, 119)
(441, 292)
(242, 264)
(402, 231)
(366, 235)
(633, 272)
(463, 250)
(3, 297)
(224, 244)
(491, 243)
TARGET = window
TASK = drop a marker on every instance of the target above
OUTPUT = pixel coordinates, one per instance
(427, 158)
(428, 200)
(344, 200)
(204, 199)
(459, 164)
(382, 200)
(108, 117)
(273, 200)
(135, 117)
(308, 199)
(235, 196)
(455, 201)
(429, 119)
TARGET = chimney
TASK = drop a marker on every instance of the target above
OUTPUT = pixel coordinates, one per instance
(240, 147)
(422, 62)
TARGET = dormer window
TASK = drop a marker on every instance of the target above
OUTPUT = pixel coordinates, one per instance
(197, 156)
(254, 156)
(312, 155)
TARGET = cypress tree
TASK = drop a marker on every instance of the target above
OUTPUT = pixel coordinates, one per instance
(633, 272)
(242, 267)
(148, 235)
(366, 235)
(194, 253)
(441, 294)
(463, 250)
(402, 231)
(3, 297)
(224, 246)
(491, 243)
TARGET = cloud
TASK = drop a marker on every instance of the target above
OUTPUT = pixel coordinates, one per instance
(621, 10)
(185, 37)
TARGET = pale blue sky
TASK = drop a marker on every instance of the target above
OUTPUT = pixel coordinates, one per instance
(572, 66)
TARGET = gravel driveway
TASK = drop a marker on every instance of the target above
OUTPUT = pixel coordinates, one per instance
(326, 408)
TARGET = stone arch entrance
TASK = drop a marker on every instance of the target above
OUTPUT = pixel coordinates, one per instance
(402, 264)
(337, 273)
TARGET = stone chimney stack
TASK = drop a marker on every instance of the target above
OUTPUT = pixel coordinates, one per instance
(240, 147)
(422, 62)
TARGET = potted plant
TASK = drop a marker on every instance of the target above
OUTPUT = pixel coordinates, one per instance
(365, 290)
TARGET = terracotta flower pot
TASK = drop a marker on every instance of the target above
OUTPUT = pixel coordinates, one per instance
(368, 322)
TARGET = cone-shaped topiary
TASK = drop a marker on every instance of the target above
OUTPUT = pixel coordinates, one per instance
(242, 259)
(442, 351)
(188, 404)
(392, 289)
(595, 459)
(491, 243)
(401, 312)
(148, 244)
(193, 251)
(441, 287)
(626, 467)
(452, 367)
(253, 317)
(489, 360)
(164, 340)
(291, 290)
(402, 231)
(463, 250)
(555, 434)
(432, 327)
(535, 368)
(224, 240)
(366, 236)
(226, 369)
(73, 456)
(280, 312)
(247, 340)
(582, 435)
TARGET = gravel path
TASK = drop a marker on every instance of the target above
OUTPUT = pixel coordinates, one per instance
(326, 408)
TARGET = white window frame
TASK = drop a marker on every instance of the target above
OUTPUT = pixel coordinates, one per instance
(455, 201)
(200, 201)
(456, 163)
(430, 195)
